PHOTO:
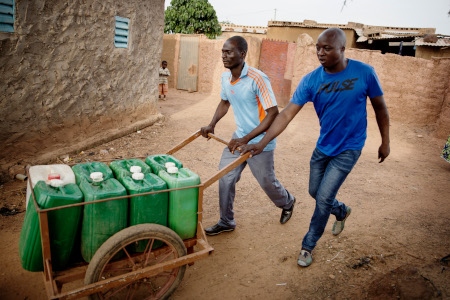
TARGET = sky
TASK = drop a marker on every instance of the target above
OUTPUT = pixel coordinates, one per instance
(397, 13)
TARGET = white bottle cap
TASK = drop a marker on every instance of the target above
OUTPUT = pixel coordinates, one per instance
(97, 176)
(172, 170)
(56, 183)
(169, 164)
(137, 176)
(135, 169)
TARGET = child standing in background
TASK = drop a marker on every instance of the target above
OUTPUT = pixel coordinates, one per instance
(163, 85)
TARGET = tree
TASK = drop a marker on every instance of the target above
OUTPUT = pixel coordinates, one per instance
(191, 16)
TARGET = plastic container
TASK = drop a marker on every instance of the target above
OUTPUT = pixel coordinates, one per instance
(152, 208)
(158, 162)
(101, 220)
(63, 225)
(125, 167)
(83, 171)
(183, 203)
(46, 173)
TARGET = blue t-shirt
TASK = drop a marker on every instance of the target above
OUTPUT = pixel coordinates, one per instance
(340, 101)
(250, 96)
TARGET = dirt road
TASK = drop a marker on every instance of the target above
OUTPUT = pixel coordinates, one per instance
(391, 246)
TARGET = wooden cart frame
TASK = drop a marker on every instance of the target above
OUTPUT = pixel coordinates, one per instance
(55, 280)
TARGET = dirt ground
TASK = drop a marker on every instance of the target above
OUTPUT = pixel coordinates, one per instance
(392, 247)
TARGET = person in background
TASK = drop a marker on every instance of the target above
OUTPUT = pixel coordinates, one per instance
(338, 90)
(163, 85)
(249, 92)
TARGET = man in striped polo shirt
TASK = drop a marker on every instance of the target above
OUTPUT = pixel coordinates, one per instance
(249, 92)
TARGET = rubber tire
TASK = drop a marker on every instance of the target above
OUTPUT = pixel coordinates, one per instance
(127, 237)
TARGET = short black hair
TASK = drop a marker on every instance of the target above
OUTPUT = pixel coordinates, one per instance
(240, 42)
(164, 62)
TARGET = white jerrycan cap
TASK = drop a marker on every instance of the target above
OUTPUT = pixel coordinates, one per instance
(96, 176)
(172, 170)
(169, 164)
(56, 183)
(135, 169)
(137, 176)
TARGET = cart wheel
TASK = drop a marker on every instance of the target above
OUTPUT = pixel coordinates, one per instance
(116, 257)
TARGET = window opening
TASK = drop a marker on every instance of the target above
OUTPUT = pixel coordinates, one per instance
(121, 32)
(7, 15)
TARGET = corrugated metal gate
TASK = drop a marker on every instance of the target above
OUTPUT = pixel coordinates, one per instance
(188, 63)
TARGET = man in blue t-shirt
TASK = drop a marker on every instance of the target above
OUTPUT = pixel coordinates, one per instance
(338, 90)
(249, 92)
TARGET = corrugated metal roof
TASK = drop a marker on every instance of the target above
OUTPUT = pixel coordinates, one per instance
(403, 32)
(389, 37)
(243, 29)
(307, 24)
(365, 33)
(361, 39)
(359, 31)
(442, 42)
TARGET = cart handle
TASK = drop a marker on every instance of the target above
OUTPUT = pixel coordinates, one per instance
(184, 143)
(217, 138)
(193, 137)
(221, 172)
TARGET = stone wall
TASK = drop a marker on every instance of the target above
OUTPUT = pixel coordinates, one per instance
(64, 84)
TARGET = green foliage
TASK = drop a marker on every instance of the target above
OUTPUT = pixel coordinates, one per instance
(191, 16)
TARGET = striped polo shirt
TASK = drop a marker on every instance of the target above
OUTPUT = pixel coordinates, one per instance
(250, 96)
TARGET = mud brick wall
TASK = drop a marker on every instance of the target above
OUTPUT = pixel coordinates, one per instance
(211, 66)
(64, 84)
(417, 91)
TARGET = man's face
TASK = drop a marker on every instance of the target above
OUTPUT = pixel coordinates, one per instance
(329, 51)
(231, 56)
(164, 65)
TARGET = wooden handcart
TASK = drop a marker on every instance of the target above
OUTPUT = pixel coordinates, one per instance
(154, 273)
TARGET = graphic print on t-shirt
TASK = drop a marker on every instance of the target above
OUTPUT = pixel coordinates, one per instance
(337, 86)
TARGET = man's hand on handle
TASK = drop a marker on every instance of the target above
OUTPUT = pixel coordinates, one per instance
(253, 149)
(206, 130)
(235, 144)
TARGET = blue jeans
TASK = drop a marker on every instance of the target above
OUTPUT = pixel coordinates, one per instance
(262, 167)
(327, 173)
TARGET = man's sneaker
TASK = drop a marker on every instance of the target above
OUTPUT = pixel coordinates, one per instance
(338, 226)
(286, 214)
(304, 258)
(216, 229)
